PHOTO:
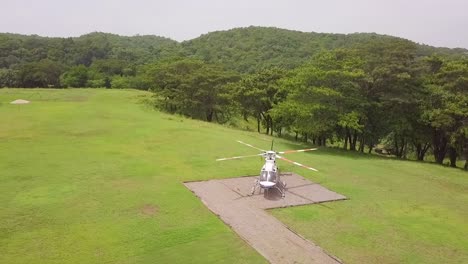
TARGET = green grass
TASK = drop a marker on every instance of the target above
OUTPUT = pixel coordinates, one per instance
(398, 212)
(94, 176)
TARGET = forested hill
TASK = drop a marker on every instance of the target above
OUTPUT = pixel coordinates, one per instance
(248, 49)
(240, 49)
(101, 58)
(17, 49)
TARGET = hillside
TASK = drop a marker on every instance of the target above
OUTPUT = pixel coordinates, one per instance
(248, 49)
(242, 49)
(253, 48)
(18, 49)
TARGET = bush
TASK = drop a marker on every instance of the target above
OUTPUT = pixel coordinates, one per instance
(121, 82)
(99, 83)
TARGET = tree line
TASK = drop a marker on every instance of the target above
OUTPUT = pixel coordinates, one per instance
(355, 98)
(92, 60)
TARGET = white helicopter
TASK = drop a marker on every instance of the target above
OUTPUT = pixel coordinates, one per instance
(270, 175)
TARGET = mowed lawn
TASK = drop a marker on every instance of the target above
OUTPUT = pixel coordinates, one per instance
(95, 176)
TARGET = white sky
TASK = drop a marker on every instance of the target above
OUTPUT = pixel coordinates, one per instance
(433, 22)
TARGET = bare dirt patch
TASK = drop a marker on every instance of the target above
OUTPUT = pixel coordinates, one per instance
(245, 214)
(148, 210)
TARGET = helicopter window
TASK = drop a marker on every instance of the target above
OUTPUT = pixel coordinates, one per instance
(268, 176)
(264, 176)
(272, 176)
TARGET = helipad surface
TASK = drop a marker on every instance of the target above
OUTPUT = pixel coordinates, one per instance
(245, 214)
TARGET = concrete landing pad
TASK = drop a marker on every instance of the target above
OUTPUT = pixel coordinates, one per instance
(299, 191)
(245, 214)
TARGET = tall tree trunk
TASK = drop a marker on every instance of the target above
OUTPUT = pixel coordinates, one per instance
(439, 142)
(297, 133)
(345, 146)
(306, 137)
(400, 149)
(362, 144)
(258, 123)
(421, 150)
(397, 148)
(271, 125)
(453, 157)
(353, 141)
(267, 121)
(209, 115)
(324, 141)
(348, 135)
(418, 150)
(426, 147)
(371, 146)
(465, 152)
(404, 146)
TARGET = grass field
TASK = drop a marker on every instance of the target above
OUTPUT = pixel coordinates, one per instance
(94, 176)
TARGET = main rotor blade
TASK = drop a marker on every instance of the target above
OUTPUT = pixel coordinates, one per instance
(248, 145)
(296, 163)
(295, 150)
(239, 157)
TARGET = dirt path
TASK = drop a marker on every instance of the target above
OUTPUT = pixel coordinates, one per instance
(246, 215)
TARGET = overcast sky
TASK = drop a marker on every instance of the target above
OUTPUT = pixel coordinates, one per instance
(433, 22)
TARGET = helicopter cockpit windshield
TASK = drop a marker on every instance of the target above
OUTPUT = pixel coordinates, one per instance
(269, 176)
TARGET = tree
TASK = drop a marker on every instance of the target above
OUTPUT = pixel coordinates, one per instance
(447, 109)
(326, 97)
(76, 76)
(392, 89)
(44, 73)
(191, 87)
(258, 93)
(110, 67)
(7, 78)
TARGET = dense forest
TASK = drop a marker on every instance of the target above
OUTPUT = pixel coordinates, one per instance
(358, 91)
(101, 59)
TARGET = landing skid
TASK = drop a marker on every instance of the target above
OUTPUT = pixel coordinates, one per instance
(256, 185)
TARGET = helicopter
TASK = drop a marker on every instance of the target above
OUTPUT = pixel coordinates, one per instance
(269, 177)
